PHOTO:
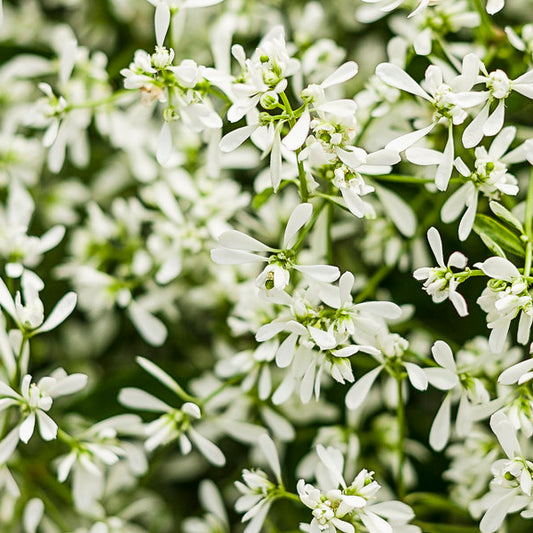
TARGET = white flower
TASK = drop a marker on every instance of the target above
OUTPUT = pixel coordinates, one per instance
(238, 247)
(449, 101)
(505, 297)
(440, 282)
(490, 176)
(34, 401)
(340, 509)
(257, 491)
(499, 87)
(174, 424)
(462, 386)
(510, 490)
(216, 518)
(29, 316)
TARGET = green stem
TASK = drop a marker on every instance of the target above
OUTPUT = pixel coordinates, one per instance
(330, 219)
(398, 178)
(528, 226)
(372, 283)
(304, 191)
(216, 392)
(486, 28)
(98, 103)
(400, 414)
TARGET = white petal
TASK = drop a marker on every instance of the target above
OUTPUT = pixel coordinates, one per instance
(501, 143)
(256, 523)
(224, 256)
(524, 328)
(493, 6)
(396, 77)
(494, 517)
(455, 204)
(443, 355)
(495, 121)
(441, 378)
(162, 22)
(440, 429)
(8, 445)
(435, 244)
(331, 465)
(271, 454)
(398, 210)
(237, 240)
(444, 170)
(27, 427)
(275, 162)
(339, 108)
(235, 138)
(387, 310)
(296, 137)
(299, 218)
(344, 73)
(345, 287)
(61, 311)
(151, 329)
(498, 335)
(375, 524)
(360, 389)
(513, 373)
(6, 300)
(467, 220)
(416, 376)
(324, 339)
(208, 449)
(474, 131)
(505, 432)
(405, 141)
(68, 385)
(51, 238)
(286, 350)
(499, 268)
(142, 400)
(394, 510)
(423, 156)
(33, 513)
(164, 143)
(47, 427)
(325, 273)
(158, 373)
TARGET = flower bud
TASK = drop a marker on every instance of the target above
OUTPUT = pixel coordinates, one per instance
(269, 100)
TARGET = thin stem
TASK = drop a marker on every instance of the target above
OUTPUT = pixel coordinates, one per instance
(330, 219)
(373, 283)
(486, 28)
(304, 191)
(398, 178)
(216, 392)
(400, 414)
(528, 226)
(98, 103)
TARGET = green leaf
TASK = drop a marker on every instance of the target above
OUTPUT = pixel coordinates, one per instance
(492, 246)
(498, 237)
(504, 214)
(263, 196)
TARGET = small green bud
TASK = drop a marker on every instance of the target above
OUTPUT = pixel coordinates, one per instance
(269, 100)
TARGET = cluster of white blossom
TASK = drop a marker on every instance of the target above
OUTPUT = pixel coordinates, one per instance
(256, 194)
